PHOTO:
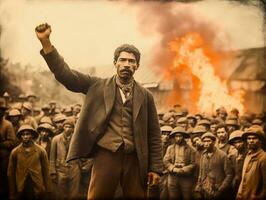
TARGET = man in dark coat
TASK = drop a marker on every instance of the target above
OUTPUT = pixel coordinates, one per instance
(118, 125)
(253, 182)
(7, 143)
(215, 171)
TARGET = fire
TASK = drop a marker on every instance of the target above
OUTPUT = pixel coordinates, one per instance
(192, 54)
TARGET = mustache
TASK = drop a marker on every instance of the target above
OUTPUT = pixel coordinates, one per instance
(126, 70)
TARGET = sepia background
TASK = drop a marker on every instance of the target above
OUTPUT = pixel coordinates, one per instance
(200, 54)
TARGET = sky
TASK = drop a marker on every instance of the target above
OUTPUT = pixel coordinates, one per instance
(87, 32)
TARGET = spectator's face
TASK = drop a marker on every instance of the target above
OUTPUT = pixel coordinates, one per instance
(191, 122)
(44, 134)
(221, 134)
(26, 137)
(197, 142)
(208, 143)
(68, 129)
(126, 65)
(213, 127)
(222, 115)
(59, 125)
(183, 125)
(179, 138)
(253, 142)
(238, 143)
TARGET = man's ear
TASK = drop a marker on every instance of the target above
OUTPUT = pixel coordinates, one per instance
(114, 62)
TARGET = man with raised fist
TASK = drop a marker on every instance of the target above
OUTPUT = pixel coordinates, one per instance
(118, 125)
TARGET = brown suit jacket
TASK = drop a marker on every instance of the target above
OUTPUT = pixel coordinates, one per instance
(97, 106)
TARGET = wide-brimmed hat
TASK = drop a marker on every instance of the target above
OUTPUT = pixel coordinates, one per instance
(191, 117)
(209, 135)
(27, 105)
(26, 127)
(255, 130)
(70, 120)
(182, 120)
(47, 127)
(45, 107)
(199, 129)
(204, 122)
(181, 130)
(14, 113)
(232, 122)
(166, 129)
(46, 119)
(59, 118)
(257, 122)
(235, 135)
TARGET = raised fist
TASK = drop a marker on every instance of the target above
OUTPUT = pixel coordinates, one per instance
(43, 31)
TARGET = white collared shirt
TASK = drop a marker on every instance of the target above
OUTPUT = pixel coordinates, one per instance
(122, 95)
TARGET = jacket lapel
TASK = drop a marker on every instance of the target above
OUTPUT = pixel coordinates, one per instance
(138, 97)
(109, 94)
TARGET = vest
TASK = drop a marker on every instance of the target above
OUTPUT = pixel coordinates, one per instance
(119, 130)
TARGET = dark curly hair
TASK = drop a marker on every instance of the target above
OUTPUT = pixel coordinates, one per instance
(129, 49)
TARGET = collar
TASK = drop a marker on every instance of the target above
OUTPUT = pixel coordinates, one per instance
(206, 152)
(254, 154)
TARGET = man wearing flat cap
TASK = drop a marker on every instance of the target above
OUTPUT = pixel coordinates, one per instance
(118, 125)
(28, 168)
(179, 161)
(215, 171)
(253, 183)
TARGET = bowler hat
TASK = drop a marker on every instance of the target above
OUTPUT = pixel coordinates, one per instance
(26, 127)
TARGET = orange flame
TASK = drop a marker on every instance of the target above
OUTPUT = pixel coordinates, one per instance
(193, 55)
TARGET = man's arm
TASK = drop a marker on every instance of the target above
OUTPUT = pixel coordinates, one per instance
(71, 79)
(167, 159)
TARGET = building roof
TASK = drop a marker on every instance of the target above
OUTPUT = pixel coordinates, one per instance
(252, 67)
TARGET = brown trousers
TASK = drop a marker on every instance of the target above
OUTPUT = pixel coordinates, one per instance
(110, 168)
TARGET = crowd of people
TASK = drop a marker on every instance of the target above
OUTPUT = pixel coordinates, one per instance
(205, 157)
